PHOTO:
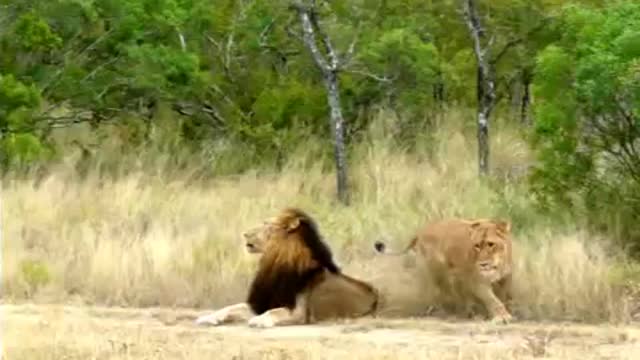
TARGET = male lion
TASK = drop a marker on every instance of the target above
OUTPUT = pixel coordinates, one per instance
(473, 256)
(297, 281)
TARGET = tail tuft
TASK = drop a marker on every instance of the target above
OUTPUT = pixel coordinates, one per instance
(379, 246)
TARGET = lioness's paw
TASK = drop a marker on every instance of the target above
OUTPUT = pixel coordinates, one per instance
(505, 318)
(214, 319)
(262, 321)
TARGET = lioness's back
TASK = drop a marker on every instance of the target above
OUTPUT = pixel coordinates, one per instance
(449, 240)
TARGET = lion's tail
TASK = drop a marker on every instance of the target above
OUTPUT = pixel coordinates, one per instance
(381, 247)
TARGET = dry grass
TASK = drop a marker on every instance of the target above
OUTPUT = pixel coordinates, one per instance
(147, 241)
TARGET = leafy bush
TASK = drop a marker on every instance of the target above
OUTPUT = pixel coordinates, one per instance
(587, 127)
(19, 143)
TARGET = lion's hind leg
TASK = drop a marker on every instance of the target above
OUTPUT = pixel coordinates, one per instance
(231, 313)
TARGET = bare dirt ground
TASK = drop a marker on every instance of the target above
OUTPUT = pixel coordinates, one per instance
(67, 332)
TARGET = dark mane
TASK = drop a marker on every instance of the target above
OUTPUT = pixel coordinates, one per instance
(278, 283)
(309, 233)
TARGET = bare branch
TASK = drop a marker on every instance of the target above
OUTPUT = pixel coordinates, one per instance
(334, 61)
(324, 37)
(228, 51)
(230, 102)
(183, 42)
(617, 138)
(490, 43)
(477, 34)
(189, 109)
(53, 80)
(370, 75)
(263, 42)
(348, 56)
(213, 41)
(99, 67)
(265, 32)
(291, 32)
(309, 37)
(517, 41)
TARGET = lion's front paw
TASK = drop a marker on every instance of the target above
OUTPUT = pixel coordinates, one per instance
(214, 319)
(262, 321)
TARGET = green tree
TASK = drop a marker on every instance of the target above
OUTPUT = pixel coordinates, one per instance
(19, 143)
(587, 128)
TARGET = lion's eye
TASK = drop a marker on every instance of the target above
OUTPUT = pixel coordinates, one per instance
(491, 244)
(476, 246)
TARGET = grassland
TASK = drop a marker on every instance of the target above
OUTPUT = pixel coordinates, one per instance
(143, 240)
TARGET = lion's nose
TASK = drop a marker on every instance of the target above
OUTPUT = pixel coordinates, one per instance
(485, 265)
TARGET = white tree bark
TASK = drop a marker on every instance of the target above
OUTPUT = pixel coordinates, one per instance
(330, 66)
(486, 82)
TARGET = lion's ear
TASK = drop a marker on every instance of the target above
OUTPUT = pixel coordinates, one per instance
(503, 225)
(293, 224)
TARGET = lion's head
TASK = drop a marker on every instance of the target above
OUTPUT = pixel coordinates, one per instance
(491, 248)
(257, 238)
(293, 238)
(293, 255)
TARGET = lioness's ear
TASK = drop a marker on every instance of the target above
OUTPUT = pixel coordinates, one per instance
(503, 225)
(293, 224)
(474, 225)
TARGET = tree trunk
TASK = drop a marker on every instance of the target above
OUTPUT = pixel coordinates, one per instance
(526, 98)
(330, 67)
(485, 98)
(337, 125)
(483, 140)
(438, 91)
(516, 90)
(485, 86)
(479, 86)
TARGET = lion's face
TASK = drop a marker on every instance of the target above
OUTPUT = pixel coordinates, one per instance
(491, 250)
(256, 239)
(260, 237)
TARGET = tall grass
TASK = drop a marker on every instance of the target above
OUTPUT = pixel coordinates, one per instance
(142, 240)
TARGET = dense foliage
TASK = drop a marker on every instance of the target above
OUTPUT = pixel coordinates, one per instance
(238, 70)
(209, 76)
(587, 88)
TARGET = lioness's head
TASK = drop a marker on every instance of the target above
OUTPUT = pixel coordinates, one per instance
(260, 237)
(491, 248)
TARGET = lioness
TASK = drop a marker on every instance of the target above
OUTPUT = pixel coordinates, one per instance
(297, 280)
(474, 255)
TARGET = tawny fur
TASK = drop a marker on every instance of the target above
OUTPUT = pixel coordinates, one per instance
(297, 280)
(474, 256)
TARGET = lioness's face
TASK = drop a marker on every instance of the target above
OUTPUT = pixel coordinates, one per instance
(490, 250)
